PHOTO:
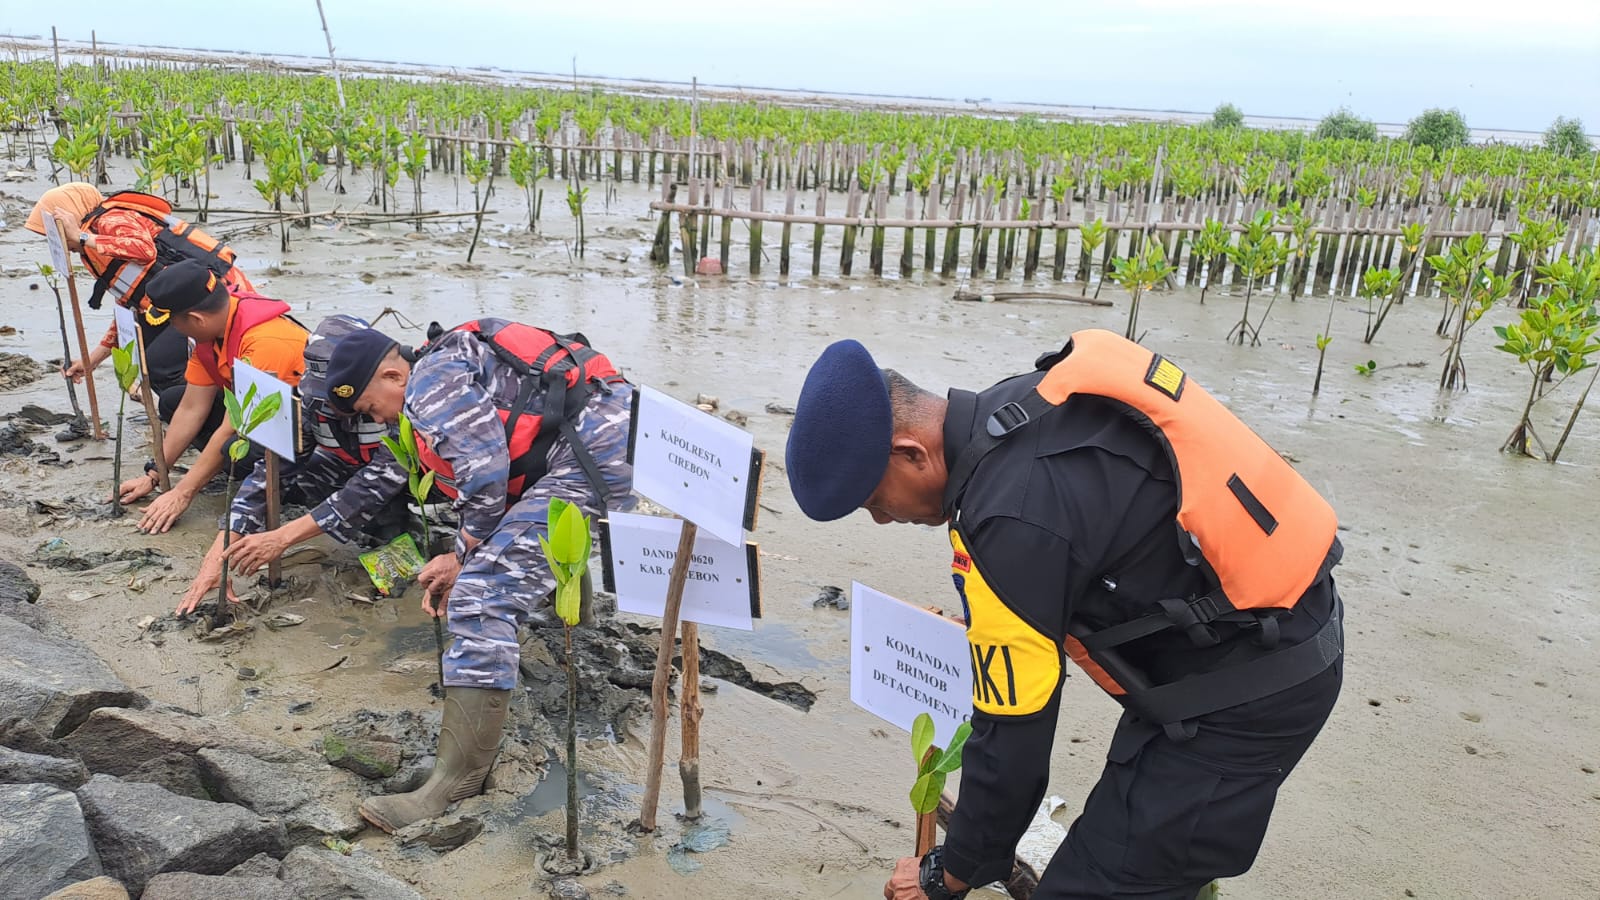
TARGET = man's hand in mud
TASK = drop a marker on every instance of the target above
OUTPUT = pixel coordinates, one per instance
(164, 511)
(251, 553)
(906, 884)
(437, 578)
(135, 489)
(204, 583)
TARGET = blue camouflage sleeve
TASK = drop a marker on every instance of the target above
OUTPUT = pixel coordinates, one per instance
(458, 418)
(350, 508)
(248, 512)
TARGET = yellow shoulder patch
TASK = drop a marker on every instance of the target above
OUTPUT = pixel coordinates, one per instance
(1165, 376)
(1015, 669)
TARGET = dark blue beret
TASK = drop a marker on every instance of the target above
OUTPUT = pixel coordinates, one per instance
(839, 444)
(352, 364)
(183, 286)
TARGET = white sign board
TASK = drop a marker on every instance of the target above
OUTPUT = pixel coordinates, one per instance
(723, 587)
(694, 464)
(276, 433)
(127, 325)
(905, 661)
(58, 247)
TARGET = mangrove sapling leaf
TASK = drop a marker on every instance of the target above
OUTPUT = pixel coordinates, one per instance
(921, 738)
(126, 364)
(566, 551)
(925, 793)
(950, 759)
(421, 485)
(1366, 368)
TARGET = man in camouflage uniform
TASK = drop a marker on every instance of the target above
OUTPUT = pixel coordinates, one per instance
(457, 396)
(351, 482)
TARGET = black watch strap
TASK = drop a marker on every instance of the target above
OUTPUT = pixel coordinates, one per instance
(931, 877)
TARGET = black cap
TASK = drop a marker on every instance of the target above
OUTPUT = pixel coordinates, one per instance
(181, 287)
(353, 362)
(843, 426)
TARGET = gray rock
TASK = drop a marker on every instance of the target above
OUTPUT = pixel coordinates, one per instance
(20, 734)
(142, 830)
(189, 886)
(568, 889)
(117, 741)
(442, 835)
(102, 888)
(54, 682)
(367, 758)
(315, 874)
(19, 597)
(259, 866)
(313, 800)
(44, 845)
(173, 771)
(17, 767)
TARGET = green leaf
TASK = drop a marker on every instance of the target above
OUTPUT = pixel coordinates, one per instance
(568, 535)
(238, 450)
(408, 437)
(264, 410)
(235, 413)
(400, 454)
(569, 596)
(425, 488)
(950, 759)
(921, 737)
(925, 793)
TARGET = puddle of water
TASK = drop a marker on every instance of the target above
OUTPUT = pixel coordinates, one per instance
(551, 794)
(402, 639)
(775, 644)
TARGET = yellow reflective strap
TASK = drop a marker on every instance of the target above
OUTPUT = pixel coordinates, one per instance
(1015, 669)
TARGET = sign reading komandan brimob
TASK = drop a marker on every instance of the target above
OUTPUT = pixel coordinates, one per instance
(708, 472)
(905, 660)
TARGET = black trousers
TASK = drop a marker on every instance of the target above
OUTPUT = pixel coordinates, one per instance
(1166, 818)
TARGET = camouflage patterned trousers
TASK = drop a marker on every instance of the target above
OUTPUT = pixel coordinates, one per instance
(505, 578)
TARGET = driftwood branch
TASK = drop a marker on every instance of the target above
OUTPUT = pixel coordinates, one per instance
(975, 297)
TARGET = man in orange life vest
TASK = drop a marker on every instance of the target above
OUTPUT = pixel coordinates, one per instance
(1105, 508)
(507, 417)
(225, 328)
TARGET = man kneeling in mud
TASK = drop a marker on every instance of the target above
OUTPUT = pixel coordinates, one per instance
(507, 416)
(351, 480)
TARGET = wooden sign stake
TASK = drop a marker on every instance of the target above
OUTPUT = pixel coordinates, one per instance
(152, 412)
(83, 350)
(658, 687)
(274, 568)
(689, 719)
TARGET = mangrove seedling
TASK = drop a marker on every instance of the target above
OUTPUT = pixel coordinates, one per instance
(421, 484)
(567, 552)
(576, 197)
(1137, 274)
(522, 162)
(933, 766)
(126, 363)
(1092, 235)
(1554, 340)
(1388, 285)
(1470, 289)
(1257, 254)
(245, 415)
(1209, 245)
(1367, 368)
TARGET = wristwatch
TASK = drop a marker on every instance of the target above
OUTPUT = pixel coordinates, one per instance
(932, 877)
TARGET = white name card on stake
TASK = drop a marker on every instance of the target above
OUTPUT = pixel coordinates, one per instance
(723, 587)
(696, 465)
(905, 661)
(58, 247)
(277, 433)
(127, 325)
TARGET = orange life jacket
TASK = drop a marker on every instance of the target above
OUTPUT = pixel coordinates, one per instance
(253, 310)
(176, 240)
(1260, 532)
(559, 370)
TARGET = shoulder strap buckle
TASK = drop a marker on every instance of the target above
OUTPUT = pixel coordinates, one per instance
(1007, 419)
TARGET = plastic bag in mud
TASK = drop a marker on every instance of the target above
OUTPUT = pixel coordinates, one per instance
(395, 563)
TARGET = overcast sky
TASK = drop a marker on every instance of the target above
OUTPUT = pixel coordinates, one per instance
(1513, 65)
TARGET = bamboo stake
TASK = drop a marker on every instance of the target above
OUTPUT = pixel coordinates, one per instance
(274, 501)
(83, 348)
(147, 394)
(658, 685)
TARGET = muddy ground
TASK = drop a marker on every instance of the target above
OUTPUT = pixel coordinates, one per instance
(1460, 761)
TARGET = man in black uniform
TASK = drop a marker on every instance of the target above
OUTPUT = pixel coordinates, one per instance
(1209, 612)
